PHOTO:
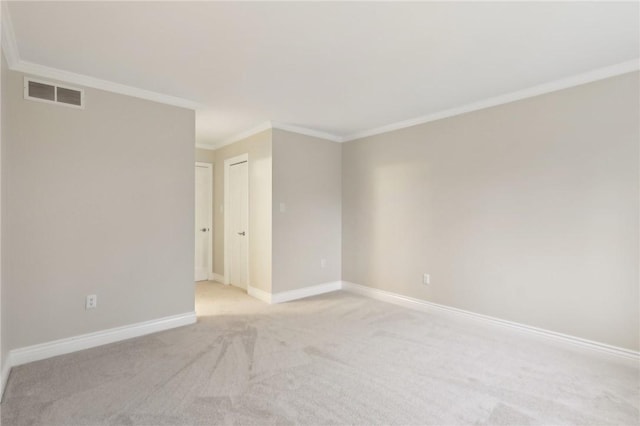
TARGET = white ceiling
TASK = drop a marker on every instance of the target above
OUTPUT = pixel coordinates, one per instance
(340, 68)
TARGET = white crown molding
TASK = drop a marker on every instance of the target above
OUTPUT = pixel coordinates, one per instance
(9, 45)
(425, 306)
(272, 125)
(541, 89)
(97, 83)
(306, 131)
(243, 135)
(205, 146)
(10, 49)
(15, 63)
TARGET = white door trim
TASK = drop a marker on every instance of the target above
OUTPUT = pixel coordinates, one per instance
(209, 167)
(227, 232)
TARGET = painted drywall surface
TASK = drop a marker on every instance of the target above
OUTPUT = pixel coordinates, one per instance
(99, 201)
(527, 211)
(307, 180)
(205, 155)
(3, 109)
(258, 147)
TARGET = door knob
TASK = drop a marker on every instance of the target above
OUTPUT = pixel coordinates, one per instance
(241, 233)
(204, 229)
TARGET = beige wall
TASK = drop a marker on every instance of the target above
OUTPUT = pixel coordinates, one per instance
(527, 211)
(307, 179)
(98, 201)
(205, 155)
(304, 173)
(3, 128)
(258, 148)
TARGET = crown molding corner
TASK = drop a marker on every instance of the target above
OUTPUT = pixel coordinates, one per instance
(97, 83)
(9, 44)
(205, 146)
(306, 131)
(12, 55)
(245, 134)
(15, 63)
(280, 126)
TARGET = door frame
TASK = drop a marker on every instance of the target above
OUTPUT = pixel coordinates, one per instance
(209, 168)
(227, 231)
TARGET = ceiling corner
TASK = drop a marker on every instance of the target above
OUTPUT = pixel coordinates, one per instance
(9, 44)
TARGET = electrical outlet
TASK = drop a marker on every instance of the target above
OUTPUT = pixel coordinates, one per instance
(426, 279)
(92, 301)
(323, 263)
(283, 207)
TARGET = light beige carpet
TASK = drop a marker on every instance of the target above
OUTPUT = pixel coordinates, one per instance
(332, 359)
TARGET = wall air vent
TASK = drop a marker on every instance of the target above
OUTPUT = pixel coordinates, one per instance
(43, 91)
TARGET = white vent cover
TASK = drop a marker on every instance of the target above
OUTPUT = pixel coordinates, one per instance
(44, 91)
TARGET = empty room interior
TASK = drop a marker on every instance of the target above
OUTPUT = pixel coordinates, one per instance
(314, 213)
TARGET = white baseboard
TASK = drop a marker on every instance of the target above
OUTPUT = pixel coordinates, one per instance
(85, 341)
(259, 294)
(216, 277)
(288, 296)
(425, 306)
(301, 293)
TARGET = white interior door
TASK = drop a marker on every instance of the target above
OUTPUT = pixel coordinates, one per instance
(204, 205)
(238, 216)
